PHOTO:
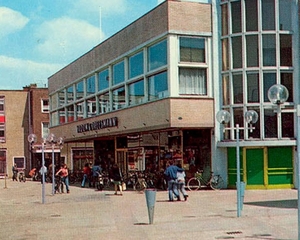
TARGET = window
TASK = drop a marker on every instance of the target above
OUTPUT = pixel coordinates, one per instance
(70, 113)
(269, 50)
(251, 15)
(157, 55)
(62, 116)
(2, 132)
(236, 52)
(237, 88)
(2, 163)
(2, 98)
(80, 110)
(268, 16)
(79, 90)
(70, 94)
(20, 162)
(158, 86)
(91, 107)
(90, 85)
(104, 104)
(268, 81)
(119, 98)
(136, 65)
(45, 105)
(192, 81)
(252, 50)
(286, 58)
(103, 80)
(192, 49)
(253, 87)
(285, 20)
(45, 129)
(118, 73)
(61, 97)
(136, 92)
(236, 17)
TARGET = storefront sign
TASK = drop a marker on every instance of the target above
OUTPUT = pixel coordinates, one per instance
(104, 123)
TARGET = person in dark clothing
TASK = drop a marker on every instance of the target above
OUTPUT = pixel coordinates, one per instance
(117, 177)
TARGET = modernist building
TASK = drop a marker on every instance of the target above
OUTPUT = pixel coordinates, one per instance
(21, 112)
(151, 92)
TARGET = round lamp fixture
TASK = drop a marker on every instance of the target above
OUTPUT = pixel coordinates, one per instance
(278, 94)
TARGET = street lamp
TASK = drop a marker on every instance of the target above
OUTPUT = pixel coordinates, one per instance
(53, 141)
(278, 94)
(32, 139)
(251, 117)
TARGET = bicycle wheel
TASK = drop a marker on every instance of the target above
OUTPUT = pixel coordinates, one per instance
(193, 184)
(216, 182)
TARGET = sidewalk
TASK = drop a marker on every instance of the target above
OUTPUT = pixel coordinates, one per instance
(89, 214)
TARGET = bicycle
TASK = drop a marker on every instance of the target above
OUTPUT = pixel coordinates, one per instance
(215, 181)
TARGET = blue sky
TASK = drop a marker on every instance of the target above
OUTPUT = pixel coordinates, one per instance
(39, 37)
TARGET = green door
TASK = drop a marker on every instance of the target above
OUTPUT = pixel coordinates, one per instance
(255, 166)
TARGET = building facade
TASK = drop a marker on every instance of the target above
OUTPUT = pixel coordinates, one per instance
(151, 92)
(21, 112)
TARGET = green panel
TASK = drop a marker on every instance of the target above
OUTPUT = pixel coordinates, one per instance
(280, 157)
(255, 166)
(231, 155)
(280, 165)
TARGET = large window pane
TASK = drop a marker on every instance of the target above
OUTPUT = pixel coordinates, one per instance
(118, 73)
(268, 16)
(158, 86)
(192, 81)
(79, 90)
(226, 92)
(252, 50)
(62, 116)
(287, 125)
(236, 17)
(270, 123)
(225, 54)
(253, 87)
(237, 52)
(80, 110)
(224, 19)
(119, 98)
(136, 65)
(136, 93)
(104, 104)
(287, 81)
(238, 116)
(286, 58)
(91, 107)
(269, 50)
(285, 16)
(90, 85)
(103, 80)
(237, 88)
(70, 94)
(268, 81)
(192, 49)
(70, 113)
(61, 98)
(157, 55)
(251, 15)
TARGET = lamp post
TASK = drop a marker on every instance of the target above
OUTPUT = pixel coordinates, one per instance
(278, 94)
(53, 141)
(32, 139)
(251, 117)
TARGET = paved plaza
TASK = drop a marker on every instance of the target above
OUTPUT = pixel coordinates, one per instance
(89, 214)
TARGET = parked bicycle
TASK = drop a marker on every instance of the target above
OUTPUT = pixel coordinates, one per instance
(214, 181)
(22, 177)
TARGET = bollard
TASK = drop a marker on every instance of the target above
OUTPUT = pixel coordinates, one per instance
(242, 190)
(150, 199)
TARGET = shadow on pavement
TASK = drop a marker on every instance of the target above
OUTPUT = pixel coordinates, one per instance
(292, 203)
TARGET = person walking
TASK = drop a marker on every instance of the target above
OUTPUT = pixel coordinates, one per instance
(117, 177)
(15, 172)
(181, 181)
(96, 170)
(171, 175)
(64, 174)
(86, 175)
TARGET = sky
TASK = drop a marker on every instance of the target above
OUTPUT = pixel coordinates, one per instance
(40, 37)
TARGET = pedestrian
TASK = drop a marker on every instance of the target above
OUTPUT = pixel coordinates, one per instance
(117, 177)
(43, 172)
(96, 171)
(64, 173)
(86, 175)
(181, 181)
(171, 176)
(15, 172)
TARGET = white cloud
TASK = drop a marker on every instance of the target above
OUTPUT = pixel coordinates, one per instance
(64, 39)
(17, 73)
(11, 21)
